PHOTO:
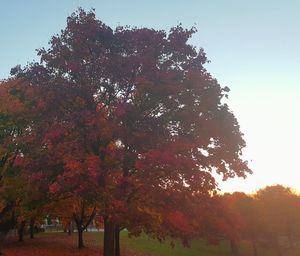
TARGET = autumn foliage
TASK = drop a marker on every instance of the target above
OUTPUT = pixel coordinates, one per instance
(125, 123)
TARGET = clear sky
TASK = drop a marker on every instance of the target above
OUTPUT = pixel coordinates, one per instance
(254, 48)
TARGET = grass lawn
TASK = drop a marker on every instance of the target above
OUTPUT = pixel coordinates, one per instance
(58, 244)
(198, 248)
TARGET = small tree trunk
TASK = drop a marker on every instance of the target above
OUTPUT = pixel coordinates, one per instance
(291, 241)
(80, 238)
(276, 244)
(278, 249)
(117, 241)
(109, 248)
(70, 229)
(79, 232)
(21, 231)
(82, 224)
(31, 228)
(254, 248)
(234, 248)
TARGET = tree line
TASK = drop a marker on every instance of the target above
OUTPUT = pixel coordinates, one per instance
(269, 218)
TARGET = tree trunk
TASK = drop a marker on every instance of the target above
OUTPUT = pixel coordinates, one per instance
(31, 228)
(291, 241)
(234, 248)
(278, 249)
(254, 248)
(109, 248)
(80, 238)
(79, 232)
(70, 229)
(21, 231)
(81, 224)
(117, 241)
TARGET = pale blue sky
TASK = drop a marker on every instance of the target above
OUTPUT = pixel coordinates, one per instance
(254, 48)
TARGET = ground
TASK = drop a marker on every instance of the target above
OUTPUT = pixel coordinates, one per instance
(61, 244)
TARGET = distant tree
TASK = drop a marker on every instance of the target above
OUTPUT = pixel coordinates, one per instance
(232, 220)
(244, 214)
(279, 209)
(21, 197)
(73, 210)
(248, 208)
(128, 117)
(9, 129)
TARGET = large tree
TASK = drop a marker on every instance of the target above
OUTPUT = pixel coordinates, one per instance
(132, 116)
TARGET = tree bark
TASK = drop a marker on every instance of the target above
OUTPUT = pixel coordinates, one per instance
(117, 240)
(21, 231)
(234, 248)
(31, 228)
(109, 248)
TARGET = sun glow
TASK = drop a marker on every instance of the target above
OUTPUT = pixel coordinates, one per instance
(270, 122)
